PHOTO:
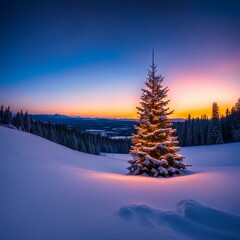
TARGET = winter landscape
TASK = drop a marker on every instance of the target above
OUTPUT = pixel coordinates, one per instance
(108, 132)
(60, 193)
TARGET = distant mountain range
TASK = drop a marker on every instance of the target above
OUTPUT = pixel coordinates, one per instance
(49, 116)
(61, 116)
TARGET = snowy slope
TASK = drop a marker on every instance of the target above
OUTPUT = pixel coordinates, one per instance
(51, 192)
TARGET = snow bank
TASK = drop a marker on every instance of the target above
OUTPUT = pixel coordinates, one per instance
(51, 192)
(191, 220)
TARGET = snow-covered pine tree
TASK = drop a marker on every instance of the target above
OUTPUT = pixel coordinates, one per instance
(154, 148)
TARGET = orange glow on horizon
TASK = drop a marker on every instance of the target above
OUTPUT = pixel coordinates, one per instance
(195, 113)
(178, 113)
(191, 92)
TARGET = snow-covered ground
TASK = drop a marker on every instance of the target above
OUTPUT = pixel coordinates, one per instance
(50, 192)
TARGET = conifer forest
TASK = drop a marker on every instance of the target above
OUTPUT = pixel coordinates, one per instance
(191, 132)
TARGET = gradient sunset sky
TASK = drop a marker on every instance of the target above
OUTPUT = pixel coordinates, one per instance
(90, 58)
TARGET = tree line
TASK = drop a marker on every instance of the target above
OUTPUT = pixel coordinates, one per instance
(191, 132)
(61, 134)
(217, 130)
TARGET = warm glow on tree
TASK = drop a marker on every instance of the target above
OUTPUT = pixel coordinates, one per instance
(154, 147)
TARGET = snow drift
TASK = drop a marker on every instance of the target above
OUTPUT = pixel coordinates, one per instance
(52, 192)
(190, 219)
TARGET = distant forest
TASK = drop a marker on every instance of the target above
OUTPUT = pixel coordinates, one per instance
(217, 130)
(191, 132)
(60, 133)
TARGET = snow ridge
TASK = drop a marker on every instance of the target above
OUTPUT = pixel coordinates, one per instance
(191, 220)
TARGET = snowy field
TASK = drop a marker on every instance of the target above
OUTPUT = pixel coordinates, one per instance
(51, 192)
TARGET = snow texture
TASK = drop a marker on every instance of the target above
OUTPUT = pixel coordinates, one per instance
(191, 219)
(51, 192)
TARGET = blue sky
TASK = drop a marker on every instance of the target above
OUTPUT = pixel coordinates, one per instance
(91, 57)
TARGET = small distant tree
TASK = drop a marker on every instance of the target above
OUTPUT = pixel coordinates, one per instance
(7, 116)
(26, 122)
(38, 128)
(1, 114)
(181, 132)
(18, 121)
(203, 129)
(189, 133)
(215, 131)
(22, 121)
(227, 112)
(73, 141)
(82, 147)
(154, 148)
(235, 122)
(196, 132)
(215, 111)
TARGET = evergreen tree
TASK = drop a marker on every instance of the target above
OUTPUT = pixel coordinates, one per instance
(51, 135)
(226, 129)
(215, 111)
(22, 121)
(203, 129)
(196, 132)
(154, 148)
(89, 144)
(227, 112)
(38, 128)
(32, 126)
(73, 142)
(45, 132)
(1, 114)
(26, 122)
(181, 132)
(235, 122)
(189, 131)
(81, 146)
(7, 116)
(18, 121)
(215, 131)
